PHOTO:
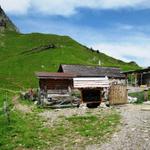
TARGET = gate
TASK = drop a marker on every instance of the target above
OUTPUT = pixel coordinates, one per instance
(118, 94)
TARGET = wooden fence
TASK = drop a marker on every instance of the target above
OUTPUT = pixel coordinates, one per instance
(118, 94)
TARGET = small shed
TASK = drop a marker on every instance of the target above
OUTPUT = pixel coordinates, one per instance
(91, 89)
(55, 82)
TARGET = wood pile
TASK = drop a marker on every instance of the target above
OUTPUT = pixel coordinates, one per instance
(60, 101)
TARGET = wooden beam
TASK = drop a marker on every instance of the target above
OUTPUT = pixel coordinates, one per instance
(135, 80)
(141, 78)
(81, 101)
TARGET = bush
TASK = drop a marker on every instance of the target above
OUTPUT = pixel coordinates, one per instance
(139, 96)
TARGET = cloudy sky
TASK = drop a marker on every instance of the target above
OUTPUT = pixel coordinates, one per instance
(120, 28)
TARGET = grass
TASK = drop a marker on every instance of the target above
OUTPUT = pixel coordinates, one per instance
(17, 133)
(29, 131)
(17, 68)
(5, 96)
(23, 130)
(87, 129)
(139, 96)
(94, 126)
(26, 102)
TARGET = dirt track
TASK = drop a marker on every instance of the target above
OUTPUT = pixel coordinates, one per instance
(134, 133)
(23, 108)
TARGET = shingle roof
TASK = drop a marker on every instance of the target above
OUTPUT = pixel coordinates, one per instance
(54, 75)
(91, 71)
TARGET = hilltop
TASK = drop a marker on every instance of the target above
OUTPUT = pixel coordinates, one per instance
(21, 55)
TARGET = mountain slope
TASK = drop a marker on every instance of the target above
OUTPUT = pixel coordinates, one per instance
(5, 23)
(23, 54)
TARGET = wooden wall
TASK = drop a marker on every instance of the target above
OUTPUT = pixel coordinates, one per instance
(55, 84)
(118, 94)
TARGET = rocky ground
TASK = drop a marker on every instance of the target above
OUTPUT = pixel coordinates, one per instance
(134, 132)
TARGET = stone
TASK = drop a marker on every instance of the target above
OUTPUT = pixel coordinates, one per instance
(132, 99)
(145, 109)
(147, 102)
(103, 105)
(36, 102)
(83, 106)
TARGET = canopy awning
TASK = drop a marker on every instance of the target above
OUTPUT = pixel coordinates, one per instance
(91, 82)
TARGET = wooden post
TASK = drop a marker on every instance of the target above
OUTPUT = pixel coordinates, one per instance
(131, 79)
(135, 82)
(6, 111)
(39, 96)
(126, 79)
(146, 95)
(141, 78)
(81, 102)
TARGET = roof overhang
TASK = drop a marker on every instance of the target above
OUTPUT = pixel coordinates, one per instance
(54, 75)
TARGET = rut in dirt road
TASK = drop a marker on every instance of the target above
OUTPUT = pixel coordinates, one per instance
(23, 108)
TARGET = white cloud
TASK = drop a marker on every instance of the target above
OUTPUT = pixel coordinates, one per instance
(123, 51)
(68, 7)
(127, 27)
(57, 7)
(15, 6)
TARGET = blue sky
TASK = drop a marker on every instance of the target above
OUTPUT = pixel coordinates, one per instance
(118, 28)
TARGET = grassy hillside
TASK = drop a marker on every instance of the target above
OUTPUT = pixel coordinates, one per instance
(23, 54)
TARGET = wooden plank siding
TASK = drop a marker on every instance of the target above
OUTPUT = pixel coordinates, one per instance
(55, 84)
(90, 82)
(118, 94)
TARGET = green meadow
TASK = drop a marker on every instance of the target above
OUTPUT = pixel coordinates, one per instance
(21, 55)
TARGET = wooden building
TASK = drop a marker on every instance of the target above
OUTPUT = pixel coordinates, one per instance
(63, 79)
(138, 77)
(90, 80)
(55, 82)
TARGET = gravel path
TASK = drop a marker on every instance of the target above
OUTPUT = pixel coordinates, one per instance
(134, 133)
